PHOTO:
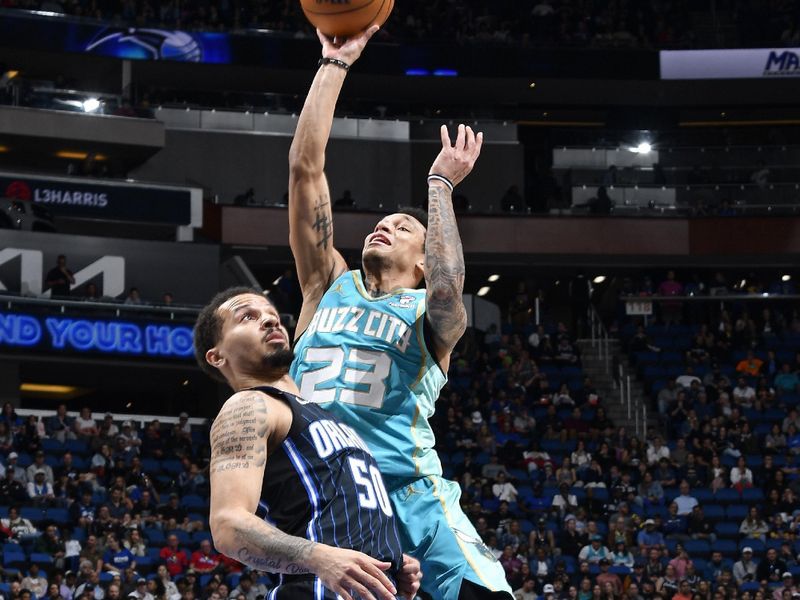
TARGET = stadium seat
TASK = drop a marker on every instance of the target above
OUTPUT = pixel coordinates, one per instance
(727, 529)
(697, 548)
(737, 512)
(727, 496)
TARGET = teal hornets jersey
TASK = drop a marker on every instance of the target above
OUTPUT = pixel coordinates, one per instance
(365, 360)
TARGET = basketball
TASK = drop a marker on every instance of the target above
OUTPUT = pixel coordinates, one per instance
(344, 18)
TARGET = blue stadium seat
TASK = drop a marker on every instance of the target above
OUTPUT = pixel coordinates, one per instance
(5, 589)
(106, 577)
(752, 495)
(40, 558)
(750, 586)
(728, 548)
(714, 512)
(154, 536)
(60, 516)
(191, 501)
(737, 512)
(77, 447)
(151, 466)
(727, 496)
(173, 467)
(36, 515)
(703, 495)
(51, 445)
(757, 545)
(727, 529)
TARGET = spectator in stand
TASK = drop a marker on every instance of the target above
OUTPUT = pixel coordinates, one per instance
(595, 551)
(130, 437)
(649, 491)
(135, 543)
(59, 279)
(745, 569)
(649, 538)
(504, 490)
(35, 581)
(754, 526)
(20, 527)
(743, 393)
(787, 585)
(40, 491)
(750, 365)
(170, 589)
(59, 426)
(770, 568)
(786, 381)
(85, 426)
(92, 554)
(49, 543)
(133, 297)
(564, 502)
(116, 558)
(671, 309)
(174, 557)
(741, 476)
(205, 560)
(605, 576)
(685, 502)
(152, 443)
(39, 465)
(657, 451)
(698, 527)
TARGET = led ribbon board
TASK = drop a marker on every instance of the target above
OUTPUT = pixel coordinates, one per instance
(75, 335)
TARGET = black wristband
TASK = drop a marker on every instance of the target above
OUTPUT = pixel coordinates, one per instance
(441, 178)
(334, 61)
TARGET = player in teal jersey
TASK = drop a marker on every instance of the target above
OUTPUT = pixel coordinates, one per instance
(374, 349)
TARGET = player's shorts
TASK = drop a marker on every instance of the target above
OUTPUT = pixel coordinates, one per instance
(434, 530)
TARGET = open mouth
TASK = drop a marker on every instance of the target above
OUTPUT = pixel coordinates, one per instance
(379, 238)
(275, 336)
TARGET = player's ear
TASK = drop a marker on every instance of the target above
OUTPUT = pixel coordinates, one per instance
(214, 358)
(419, 269)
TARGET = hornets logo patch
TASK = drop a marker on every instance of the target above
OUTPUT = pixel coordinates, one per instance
(404, 301)
(477, 542)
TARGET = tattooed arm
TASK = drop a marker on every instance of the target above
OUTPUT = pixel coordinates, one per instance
(310, 217)
(239, 442)
(444, 255)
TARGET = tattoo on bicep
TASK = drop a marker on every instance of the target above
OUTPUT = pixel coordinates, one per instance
(238, 436)
(323, 222)
(444, 273)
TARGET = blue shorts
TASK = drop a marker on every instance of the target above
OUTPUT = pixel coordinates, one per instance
(434, 530)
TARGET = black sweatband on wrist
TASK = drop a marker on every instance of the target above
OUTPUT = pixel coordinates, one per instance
(443, 179)
(335, 62)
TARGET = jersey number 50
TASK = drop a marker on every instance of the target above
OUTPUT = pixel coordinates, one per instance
(369, 376)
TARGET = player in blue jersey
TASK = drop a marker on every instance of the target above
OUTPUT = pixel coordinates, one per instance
(373, 348)
(293, 490)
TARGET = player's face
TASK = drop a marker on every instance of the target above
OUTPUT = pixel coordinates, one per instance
(398, 237)
(252, 334)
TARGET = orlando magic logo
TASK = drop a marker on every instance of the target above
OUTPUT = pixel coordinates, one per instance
(152, 44)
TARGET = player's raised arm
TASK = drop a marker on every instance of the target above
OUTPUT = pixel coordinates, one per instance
(310, 217)
(239, 439)
(444, 255)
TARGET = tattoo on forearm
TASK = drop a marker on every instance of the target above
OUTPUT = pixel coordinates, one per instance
(444, 268)
(238, 436)
(323, 223)
(275, 551)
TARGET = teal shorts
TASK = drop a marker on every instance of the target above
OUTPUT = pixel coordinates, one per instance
(434, 530)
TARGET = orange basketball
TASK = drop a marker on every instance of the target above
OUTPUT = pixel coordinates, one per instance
(344, 18)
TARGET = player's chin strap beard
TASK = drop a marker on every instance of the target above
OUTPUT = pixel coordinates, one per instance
(280, 360)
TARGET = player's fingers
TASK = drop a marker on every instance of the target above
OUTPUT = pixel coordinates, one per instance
(377, 573)
(470, 143)
(342, 593)
(365, 579)
(478, 144)
(371, 31)
(462, 136)
(362, 591)
(324, 39)
(446, 143)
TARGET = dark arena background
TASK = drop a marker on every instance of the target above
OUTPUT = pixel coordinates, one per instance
(622, 412)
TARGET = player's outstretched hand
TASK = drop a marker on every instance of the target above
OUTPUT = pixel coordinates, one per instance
(347, 572)
(346, 49)
(409, 577)
(456, 161)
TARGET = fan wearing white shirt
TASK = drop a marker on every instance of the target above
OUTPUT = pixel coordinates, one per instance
(504, 490)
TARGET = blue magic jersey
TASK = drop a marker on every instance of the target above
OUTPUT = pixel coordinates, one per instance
(365, 360)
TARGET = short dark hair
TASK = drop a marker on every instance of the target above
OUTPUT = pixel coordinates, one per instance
(208, 328)
(418, 213)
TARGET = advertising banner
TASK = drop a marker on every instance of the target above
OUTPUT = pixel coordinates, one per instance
(106, 200)
(69, 335)
(189, 271)
(751, 63)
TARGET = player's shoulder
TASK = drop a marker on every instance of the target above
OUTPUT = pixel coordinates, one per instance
(241, 403)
